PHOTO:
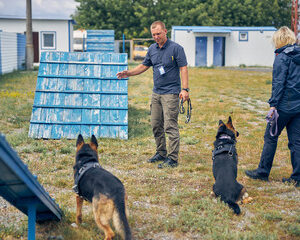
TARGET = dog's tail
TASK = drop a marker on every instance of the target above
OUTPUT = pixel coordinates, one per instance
(120, 219)
(234, 206)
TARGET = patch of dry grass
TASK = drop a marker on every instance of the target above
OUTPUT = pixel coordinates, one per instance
(172, 203)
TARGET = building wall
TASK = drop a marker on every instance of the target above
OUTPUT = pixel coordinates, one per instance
(257, 51)
(187, 41)
(8, 52)
(62, 28)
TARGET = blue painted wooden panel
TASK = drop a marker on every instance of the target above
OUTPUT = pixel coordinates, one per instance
(201, 51)
(21, 188)
(100, 41)
(80, 93)
(21, 50)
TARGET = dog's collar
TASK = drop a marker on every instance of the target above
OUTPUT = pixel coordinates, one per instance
(79, 174)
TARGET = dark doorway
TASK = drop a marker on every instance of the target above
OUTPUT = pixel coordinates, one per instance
(219, 51)
(36, 52)
(201, 51)
(36, 47)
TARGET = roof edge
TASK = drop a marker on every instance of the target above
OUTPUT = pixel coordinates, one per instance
(224, 28)
(34, 17)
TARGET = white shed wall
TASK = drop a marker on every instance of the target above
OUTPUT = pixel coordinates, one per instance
(9, 55)
(187, 41)
(38, 25)
(257, 51)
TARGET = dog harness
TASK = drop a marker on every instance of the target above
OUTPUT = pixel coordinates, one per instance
(79, 174)
(225, 146)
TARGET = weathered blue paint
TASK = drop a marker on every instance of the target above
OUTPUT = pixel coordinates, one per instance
(21, 50)
(79, 93)
(100, 41)
(19, 187)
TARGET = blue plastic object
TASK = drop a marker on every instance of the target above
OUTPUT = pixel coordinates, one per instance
(21, 50)
(19, 187)
(80, 93)
(100, 41)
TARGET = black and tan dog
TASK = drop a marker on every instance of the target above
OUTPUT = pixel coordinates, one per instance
(225, 161)
(98, 186)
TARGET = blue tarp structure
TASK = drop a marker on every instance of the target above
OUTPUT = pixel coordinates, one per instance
(79, 93)
(19, 187)
(100, 41)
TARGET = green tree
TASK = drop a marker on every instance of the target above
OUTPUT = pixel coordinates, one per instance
(134, 17)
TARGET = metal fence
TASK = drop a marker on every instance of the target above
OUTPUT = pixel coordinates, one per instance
(12, 52)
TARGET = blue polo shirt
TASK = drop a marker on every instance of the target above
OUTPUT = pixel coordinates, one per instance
(171, 57)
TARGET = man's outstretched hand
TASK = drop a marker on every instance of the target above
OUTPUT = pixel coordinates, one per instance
(123, 74)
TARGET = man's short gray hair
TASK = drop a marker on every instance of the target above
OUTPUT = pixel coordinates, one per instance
(156, 23)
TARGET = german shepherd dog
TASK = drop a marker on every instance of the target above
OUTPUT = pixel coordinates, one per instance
(225, 160)
(98, 186)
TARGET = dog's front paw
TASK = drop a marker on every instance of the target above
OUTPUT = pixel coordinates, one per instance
(212, 194)
(246, 195)
(247, 200)
(78, 220)
(74, 225)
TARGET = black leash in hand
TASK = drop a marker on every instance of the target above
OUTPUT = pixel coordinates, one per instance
(188, 111)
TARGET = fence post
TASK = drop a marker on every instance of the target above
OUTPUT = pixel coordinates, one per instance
(31, 220)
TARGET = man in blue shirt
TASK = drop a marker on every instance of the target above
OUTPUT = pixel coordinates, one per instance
(168, 60)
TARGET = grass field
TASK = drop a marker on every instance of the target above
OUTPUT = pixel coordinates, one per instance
(164, 204)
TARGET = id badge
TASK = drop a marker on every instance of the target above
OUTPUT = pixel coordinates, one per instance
(161, 70)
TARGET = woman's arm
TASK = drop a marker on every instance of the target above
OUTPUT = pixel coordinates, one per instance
(280, 72)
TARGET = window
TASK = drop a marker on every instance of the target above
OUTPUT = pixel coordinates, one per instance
(48, 40)
(243, 36)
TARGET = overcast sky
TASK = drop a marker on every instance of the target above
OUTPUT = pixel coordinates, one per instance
(40, 8)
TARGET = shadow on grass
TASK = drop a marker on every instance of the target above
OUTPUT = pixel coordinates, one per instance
(139, 122)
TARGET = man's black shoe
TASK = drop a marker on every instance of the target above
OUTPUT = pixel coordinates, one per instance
(157, 157)
(256, 175)
(290, 180)
(168, 163)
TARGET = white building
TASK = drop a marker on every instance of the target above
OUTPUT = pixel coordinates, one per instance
(79, 40)
(226, 46)
(49, 34)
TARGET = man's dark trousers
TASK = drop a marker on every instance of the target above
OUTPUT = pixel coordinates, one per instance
(164, 119)
(292, 123)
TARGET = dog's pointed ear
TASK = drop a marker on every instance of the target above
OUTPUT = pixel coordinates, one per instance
(221, 122)
(229, 123)
(80, 140)
(94, 140)
(229, 120)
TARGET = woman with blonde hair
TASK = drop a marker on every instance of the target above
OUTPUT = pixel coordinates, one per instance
(284, 107)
